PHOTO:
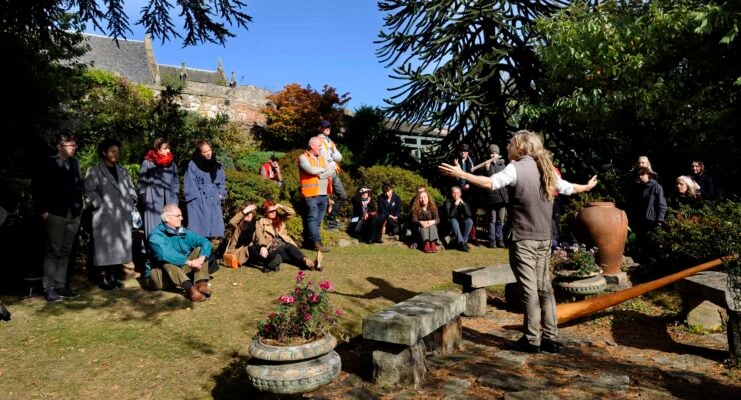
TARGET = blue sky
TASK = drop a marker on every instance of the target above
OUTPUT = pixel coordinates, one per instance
(310, 42)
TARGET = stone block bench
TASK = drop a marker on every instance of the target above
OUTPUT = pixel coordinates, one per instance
(403, 333)
(475, 281)
(705, 298)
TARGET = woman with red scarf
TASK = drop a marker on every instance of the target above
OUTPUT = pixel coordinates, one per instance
(158, 183)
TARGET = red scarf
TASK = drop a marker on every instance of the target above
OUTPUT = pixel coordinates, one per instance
(158, 159)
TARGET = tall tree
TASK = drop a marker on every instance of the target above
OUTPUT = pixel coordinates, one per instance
(642, 78)
(295, 113)
(463, 64)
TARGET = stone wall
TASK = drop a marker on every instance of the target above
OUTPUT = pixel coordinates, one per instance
(242, 104)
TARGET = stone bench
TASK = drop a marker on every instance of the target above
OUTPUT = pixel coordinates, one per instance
(475, 281)
(403, 333)
(707, 301)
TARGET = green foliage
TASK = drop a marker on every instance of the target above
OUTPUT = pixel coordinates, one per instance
(366, 134)
(252, 161)
(243, 186)
(405, 183)
(636, 78)
(693, 236)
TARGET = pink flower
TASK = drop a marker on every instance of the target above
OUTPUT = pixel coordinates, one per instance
(314, 298)
(271, 315)
(286, 299)
(296, 290)
(300, 276)
(326, 285)
(337, 312)
(307, 316)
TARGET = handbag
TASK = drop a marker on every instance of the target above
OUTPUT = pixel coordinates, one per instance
(136, 219)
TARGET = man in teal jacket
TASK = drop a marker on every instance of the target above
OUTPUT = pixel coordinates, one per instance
(178, 256)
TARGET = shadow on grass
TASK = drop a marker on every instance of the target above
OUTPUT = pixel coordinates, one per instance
(130, 303)
(383, 290)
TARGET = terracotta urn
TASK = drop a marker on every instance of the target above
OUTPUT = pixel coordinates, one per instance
(605, 226)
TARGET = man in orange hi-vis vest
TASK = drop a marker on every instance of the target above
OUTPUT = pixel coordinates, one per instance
(314, 177)
(332, 156)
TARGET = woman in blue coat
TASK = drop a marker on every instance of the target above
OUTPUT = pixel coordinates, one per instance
(158, 184)
(205, 189)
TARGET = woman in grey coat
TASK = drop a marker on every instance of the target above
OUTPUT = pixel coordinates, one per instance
(205, 189)
(158, 183)
(110, 193)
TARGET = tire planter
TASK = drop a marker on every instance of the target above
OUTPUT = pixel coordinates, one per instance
(603, 225)
(293, 369)
(583, 287)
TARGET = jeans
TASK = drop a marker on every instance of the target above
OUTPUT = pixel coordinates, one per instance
(316, 208)
(496, 222)
(461, 237)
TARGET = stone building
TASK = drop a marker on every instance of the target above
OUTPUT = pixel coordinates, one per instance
(203, 91)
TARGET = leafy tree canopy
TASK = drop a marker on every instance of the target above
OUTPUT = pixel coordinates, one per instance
(641, 78)
(462, 64)
(295, 113)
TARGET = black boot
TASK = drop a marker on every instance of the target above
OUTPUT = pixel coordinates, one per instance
(274, 262)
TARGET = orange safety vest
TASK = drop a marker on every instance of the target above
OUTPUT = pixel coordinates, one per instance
(309, 182)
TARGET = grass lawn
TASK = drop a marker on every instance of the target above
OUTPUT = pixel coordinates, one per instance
(137, 344)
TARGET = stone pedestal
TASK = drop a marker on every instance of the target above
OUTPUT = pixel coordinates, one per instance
(399, 365)
(618, 278)
(445, 339)
(474, 282)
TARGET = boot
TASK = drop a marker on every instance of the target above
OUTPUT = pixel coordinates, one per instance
(274, 262)
(318, 246)
(104, 283)
(308, 263)
(427, 247)
(501, 244)
(194, 295)
(202, 287)
(433, 247)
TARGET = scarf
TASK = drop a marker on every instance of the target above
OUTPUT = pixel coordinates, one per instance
(210, 166)
(158, 159)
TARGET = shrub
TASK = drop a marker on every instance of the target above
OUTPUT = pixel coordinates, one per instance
(251, 162)
(405, 183)
(247, 187)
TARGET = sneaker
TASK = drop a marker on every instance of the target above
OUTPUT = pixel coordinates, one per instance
(67, 293)
(465, 247)
(433, 247)
(550, 346)
(427, 247)
(52, 296)
(501, 244)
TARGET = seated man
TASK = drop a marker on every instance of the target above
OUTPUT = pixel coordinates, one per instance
(389, 210)
(178, 257)
(459, 213)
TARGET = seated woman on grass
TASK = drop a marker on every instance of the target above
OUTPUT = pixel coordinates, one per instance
(426, 218)
(275, 245)
(243, 225)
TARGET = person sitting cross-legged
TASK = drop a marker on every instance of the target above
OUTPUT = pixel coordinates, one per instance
(179, 257)
(460, 218)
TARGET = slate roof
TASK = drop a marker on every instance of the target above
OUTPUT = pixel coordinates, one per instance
(194, 75)
(129, 58)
